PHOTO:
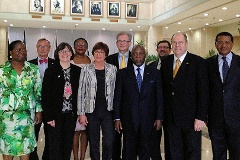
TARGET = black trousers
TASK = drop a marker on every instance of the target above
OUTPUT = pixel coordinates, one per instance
(100, 119)
(61, 137)
(155, 151)
(225, 138)
(117, 146)
(184, 143)
(34, 155)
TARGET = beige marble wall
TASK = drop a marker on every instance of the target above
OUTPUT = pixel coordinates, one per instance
(3, 45)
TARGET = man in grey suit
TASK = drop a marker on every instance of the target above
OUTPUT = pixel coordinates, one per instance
(224, 108)
(185, 92)
(137, 105)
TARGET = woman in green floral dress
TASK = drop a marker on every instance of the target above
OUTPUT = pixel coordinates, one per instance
(20, 107)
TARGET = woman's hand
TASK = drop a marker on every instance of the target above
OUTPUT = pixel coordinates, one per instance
(52, 123)
(83, 120)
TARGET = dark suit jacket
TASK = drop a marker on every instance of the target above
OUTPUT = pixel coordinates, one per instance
(35, 61)
(136, 109)
(113, 59)
(186, 96)
(154, 64)
(224, 98)
(53, 88)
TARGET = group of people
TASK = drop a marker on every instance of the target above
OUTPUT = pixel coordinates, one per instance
(121, 96)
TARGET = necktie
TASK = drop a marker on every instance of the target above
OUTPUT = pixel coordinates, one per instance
(225, 68)
(178, 64)
(123, 63)
(139, 79)
(45, 60)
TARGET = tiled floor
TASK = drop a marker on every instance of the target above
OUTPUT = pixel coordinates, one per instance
(206, 147)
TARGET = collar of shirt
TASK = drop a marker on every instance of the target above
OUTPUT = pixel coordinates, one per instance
(125, 54)
(228, 59)
(141, 71)
(180, 58)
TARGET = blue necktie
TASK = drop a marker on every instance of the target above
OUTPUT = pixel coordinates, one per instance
(139, 79)
(225, 68)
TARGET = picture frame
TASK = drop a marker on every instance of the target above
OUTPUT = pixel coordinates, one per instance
(96, 8)
(37, 6)
(57, 7)
(77, 7)
(114, 9)
(131, 10)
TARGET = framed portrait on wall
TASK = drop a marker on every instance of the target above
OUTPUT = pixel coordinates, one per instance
(37, 6)
(77, 7)
(57, 7)
(114, 9)
(132, 10)
(96, 8)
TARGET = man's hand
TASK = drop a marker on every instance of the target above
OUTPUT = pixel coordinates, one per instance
(198, 125)
(51, 123)
(38, 118)
(157, 124)
(118, 126)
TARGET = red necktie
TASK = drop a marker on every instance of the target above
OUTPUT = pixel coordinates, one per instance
(45, 60)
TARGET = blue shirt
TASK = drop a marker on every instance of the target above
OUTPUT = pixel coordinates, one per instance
(220, 62)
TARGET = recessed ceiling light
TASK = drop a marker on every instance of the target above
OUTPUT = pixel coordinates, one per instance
(104, 29)
(207, 24)
(237, 15)
(76, 24)
(44, 26)
(220, 20)
(130, 29)
(11, 25)
(205, 14)
(138, 26)
(179, 23)
(190, 28)
(224, 8)
(179, 31)
(166, 27)
(5, 20)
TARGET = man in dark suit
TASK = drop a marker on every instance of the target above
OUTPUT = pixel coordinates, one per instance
(224, 109)
(163, 50)
(43, 61)
(121, 60)
(137, 105)
(185, 92)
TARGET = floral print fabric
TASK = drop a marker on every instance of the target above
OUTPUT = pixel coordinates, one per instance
(20, 97)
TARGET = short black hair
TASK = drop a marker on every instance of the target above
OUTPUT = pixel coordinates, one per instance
(60, 47)
(81, 39)
(165, 41)
(224, 34)
(11, 47)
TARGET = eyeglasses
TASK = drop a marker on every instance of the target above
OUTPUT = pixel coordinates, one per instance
(79, 44)
(42, 47)
(122, 41)
(138, 53)
(163, 47)
(223, 42)
(64, 51)
(99, 52)
(178, 43)
(20, 50)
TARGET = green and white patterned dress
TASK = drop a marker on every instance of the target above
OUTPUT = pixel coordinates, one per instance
(20, 97)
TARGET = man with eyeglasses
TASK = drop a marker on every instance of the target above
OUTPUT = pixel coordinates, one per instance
(224, 91)
(185, 92)
(121, 60)
(138, 105)
(43, 61)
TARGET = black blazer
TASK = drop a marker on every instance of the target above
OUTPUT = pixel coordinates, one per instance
(224, 98)
(186, 96)
(154, 64)
(113, 59)
(35, 61)
(53, 88)
(136, 109)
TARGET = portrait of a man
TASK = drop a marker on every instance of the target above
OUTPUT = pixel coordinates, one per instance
(36, 6)
(77, 6)
(113, 9)
(57, 6)
(131, 10)
(96, 8)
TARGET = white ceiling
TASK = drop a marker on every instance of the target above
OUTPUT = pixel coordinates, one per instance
(190, 18)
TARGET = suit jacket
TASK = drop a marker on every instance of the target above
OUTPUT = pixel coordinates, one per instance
(154, 64)
(35, 61)
(136, 109)
(53, 89)
(224, 98)
(185, 96)
(113, 59)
